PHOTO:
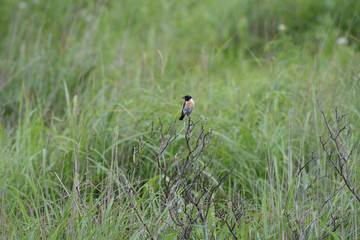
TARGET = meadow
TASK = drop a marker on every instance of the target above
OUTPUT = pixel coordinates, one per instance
(90, 141)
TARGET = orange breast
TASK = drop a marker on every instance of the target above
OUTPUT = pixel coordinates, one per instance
(189, 104)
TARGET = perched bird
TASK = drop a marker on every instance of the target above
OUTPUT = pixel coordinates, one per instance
(188, 106)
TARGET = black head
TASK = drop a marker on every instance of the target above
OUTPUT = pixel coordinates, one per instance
(187, 97)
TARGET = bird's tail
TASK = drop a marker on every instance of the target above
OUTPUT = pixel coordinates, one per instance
(182, 117)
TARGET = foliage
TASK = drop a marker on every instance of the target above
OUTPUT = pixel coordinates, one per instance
(82, 81)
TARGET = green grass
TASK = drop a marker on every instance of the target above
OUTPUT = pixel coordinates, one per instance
(81, 82)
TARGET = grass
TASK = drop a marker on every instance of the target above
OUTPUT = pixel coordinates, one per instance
(81, 82)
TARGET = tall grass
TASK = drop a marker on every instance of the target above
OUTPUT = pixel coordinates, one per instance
(81, 82)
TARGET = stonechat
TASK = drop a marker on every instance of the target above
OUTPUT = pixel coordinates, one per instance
(188, 106)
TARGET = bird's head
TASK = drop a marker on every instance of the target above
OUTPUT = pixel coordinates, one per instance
(187, 97)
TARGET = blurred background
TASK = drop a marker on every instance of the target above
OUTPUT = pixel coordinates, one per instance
(79, 71)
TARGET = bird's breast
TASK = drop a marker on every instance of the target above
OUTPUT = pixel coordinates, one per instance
(190, 103)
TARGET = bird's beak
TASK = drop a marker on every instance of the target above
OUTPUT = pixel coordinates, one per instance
(183, 97)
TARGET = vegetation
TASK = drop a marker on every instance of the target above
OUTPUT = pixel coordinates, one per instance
(90, 142)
